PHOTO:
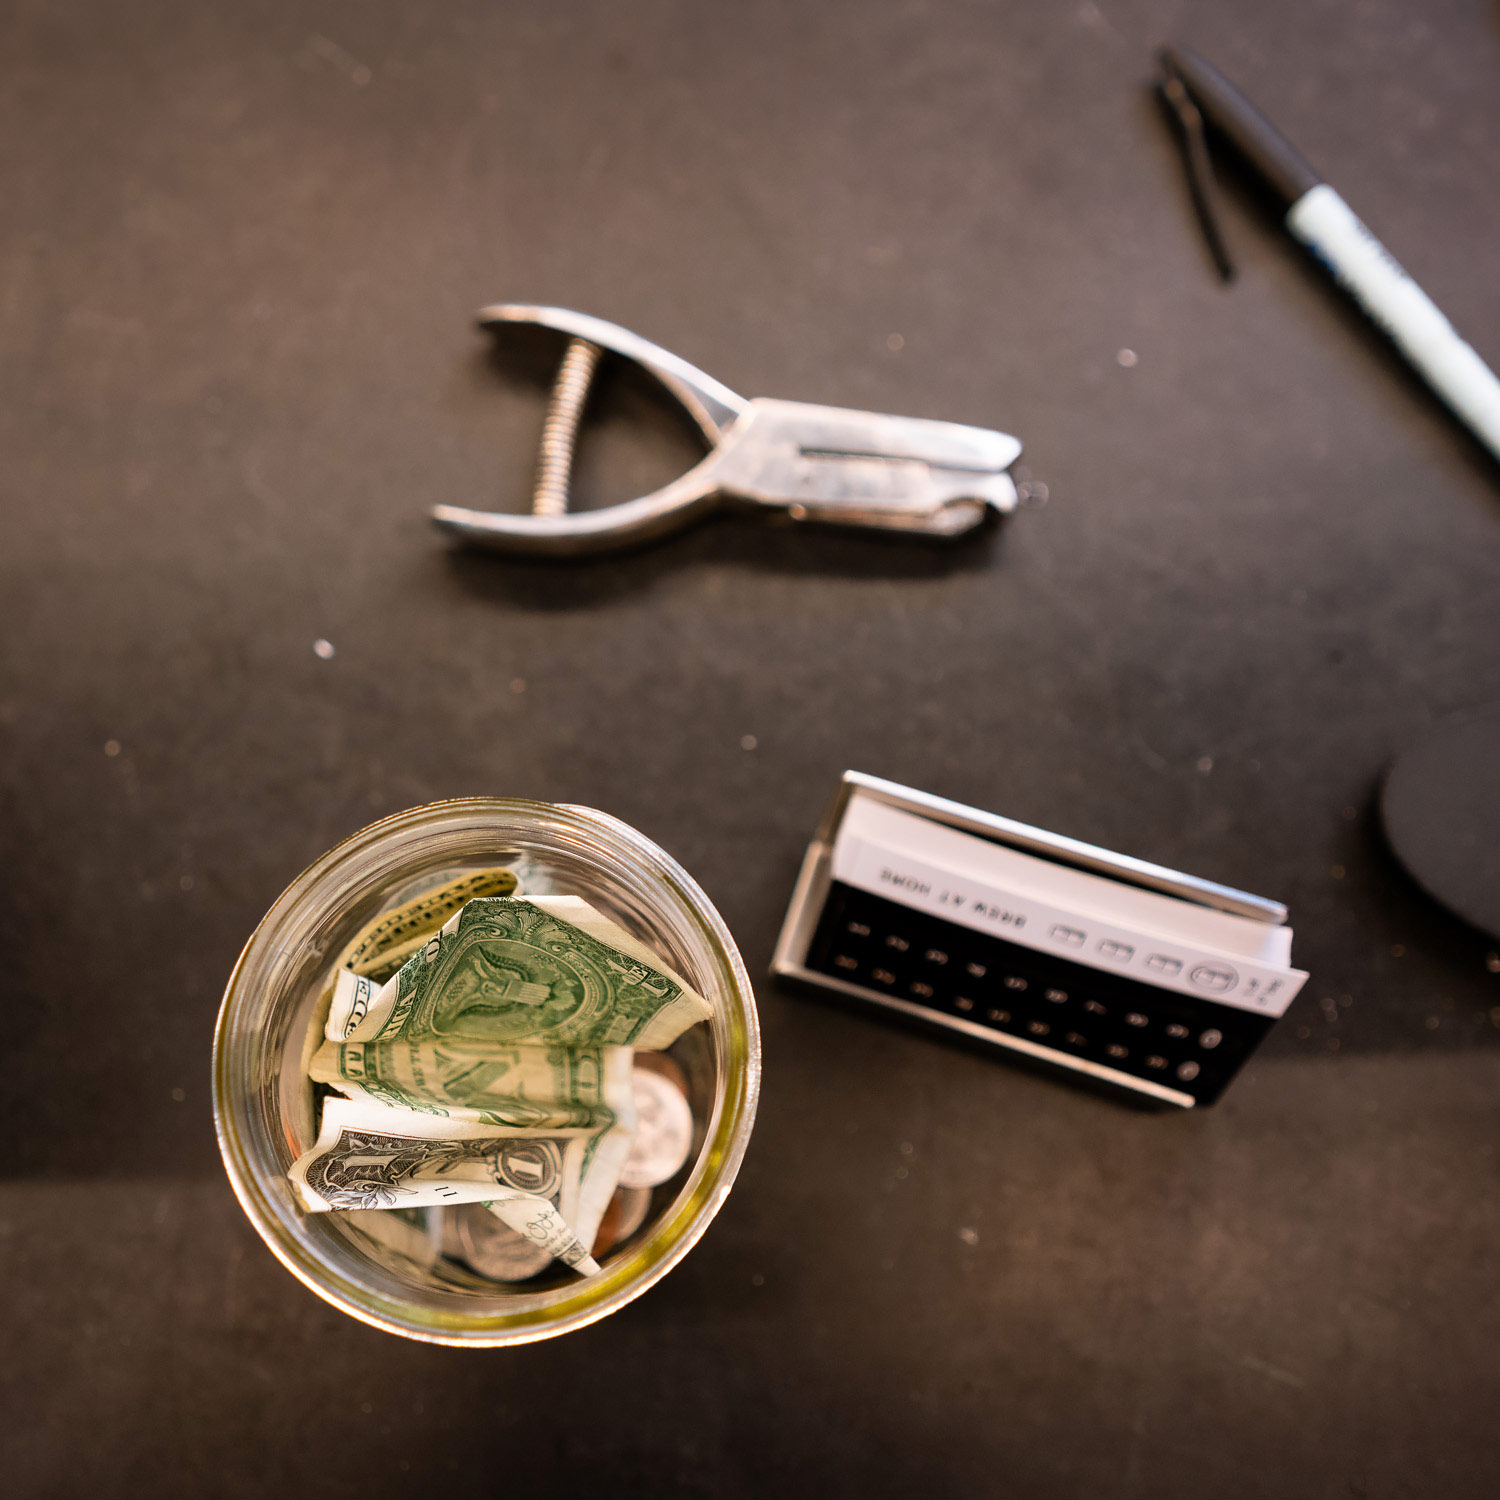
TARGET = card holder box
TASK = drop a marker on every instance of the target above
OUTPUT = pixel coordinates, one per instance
(1133, 975)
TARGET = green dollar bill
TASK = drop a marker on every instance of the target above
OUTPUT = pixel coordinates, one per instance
(386, 944)
(493, 1067)
(489, 1082)
(381, 947)
(368, 1156)
(544, 971)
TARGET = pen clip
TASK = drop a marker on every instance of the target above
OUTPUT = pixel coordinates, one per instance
(1200, 173)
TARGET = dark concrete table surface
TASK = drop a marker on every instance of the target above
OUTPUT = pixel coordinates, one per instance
(240, 248)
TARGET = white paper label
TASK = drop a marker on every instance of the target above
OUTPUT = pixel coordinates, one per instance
(967, 899)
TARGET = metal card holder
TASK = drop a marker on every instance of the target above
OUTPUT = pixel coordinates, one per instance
(1136, 998)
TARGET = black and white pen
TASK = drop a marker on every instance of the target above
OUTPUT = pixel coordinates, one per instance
(1321, 219)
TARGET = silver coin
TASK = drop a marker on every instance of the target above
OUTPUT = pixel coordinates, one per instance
(663, 1130)
(494, 1250)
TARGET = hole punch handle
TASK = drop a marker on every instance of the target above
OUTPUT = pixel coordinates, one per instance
(552, 529)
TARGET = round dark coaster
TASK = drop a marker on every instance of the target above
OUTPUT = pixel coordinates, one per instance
(1441, 809)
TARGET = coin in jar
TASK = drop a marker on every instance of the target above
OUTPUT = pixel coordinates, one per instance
(494, 1250)
(625, 1214)
(442, 1222)
(663, 1063)
(663, 1130)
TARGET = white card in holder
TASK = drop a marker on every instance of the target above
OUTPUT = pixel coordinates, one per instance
(1132, 974)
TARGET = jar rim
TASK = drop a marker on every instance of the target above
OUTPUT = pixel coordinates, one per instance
(621, 1281)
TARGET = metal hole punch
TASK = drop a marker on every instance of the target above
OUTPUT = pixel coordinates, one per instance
(811, 463)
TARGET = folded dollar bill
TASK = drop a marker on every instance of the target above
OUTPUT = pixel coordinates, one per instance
(551, 1185)
(492, 1083)
(494, 1066)
(545, 970)
(385, 944)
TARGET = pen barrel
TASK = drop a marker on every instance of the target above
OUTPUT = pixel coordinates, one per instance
(1366, 270)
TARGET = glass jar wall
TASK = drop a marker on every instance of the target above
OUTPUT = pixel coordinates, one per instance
(264, 1108)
